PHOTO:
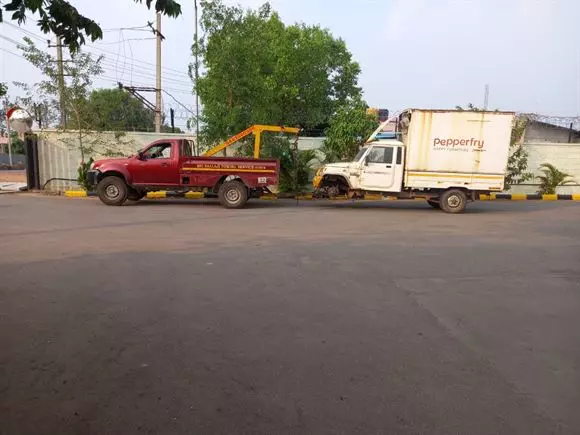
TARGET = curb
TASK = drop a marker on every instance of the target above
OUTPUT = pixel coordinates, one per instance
(369, 197)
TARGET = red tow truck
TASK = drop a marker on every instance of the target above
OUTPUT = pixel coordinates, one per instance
(171, 165)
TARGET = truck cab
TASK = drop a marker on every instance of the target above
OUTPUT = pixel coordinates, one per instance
(378, 167)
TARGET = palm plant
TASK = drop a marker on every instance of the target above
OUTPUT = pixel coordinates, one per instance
(551, 178)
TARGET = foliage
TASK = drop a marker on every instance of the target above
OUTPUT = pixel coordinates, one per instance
(117, 110)
(517, 167)
(16, 144)
(79, 72)
(83, 170)
(295, 165)
(552, 178)
(3, 89)
(260, 71)
(64, 20)
(349, 128)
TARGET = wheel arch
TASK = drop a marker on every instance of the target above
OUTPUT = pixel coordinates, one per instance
(229, 177)
(114, 173)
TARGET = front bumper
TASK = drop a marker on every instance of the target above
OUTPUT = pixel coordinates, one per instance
(93, 177)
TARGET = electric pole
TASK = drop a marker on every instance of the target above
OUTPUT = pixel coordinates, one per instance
(196, 80)
(486, 97)
(158, 82)
(60, 73)
(8, 132)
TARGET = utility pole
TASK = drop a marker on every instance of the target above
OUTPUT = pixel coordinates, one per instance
(486, 97)
(8, 133)
(60, 72)
(196, 80)
(158, 82)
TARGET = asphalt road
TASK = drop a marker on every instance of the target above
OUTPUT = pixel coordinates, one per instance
(185, 318)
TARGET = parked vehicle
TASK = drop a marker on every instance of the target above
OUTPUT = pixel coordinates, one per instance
(171, 165)
(448, 157)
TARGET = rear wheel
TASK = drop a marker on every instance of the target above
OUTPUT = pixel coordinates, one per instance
(112, 191)
(233, 194)
(453, 201)
(434, 204)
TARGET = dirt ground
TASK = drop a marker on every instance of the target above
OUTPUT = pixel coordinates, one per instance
(13, 176)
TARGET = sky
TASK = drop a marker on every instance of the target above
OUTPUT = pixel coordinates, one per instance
(413, 53)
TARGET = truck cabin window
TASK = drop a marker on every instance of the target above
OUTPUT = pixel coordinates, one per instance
(360, 153)
(380, 155)
(159, 151)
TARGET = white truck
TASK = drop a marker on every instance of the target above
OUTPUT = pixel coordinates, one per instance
(448, 157)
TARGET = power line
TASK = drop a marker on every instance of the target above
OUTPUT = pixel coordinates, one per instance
(178, 102)
(167, 70)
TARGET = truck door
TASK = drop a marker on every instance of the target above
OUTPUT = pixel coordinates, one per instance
(157, 165)
(379, 169)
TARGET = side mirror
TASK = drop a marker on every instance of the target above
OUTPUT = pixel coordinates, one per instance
(140, 156)
(367, 160)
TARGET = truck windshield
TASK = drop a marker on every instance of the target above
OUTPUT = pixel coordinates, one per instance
(360, 153)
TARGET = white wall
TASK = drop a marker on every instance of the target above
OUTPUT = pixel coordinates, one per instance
(59, 153)
(564, 156)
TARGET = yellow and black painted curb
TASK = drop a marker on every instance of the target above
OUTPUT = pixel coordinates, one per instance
(309, 197)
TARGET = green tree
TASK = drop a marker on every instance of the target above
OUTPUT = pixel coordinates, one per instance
(64, 20)
(260, 71)
(79, 73)
(517, 168)
(349, 128)
(117, 110)
(551, 178)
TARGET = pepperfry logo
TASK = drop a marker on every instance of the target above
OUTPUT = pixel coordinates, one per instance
(454, 144)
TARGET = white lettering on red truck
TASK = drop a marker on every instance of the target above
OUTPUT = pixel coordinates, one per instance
(454, 144)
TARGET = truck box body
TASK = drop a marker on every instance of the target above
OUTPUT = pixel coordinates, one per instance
(456, 148)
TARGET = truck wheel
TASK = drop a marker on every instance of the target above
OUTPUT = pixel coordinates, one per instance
(233, 194)
(434, 204)
(113, 191)
(135, 195)
(453, 201)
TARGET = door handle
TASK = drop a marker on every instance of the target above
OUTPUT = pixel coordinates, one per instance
(389, 166)
(164, 164)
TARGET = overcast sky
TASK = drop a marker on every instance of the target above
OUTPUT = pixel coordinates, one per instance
(413, 53)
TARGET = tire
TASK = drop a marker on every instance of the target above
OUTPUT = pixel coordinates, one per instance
(113, 191)
(434, 204)
(135, 195)
(233, 194)
(453, 201)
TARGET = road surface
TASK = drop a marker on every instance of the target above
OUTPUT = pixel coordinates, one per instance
(177, 317)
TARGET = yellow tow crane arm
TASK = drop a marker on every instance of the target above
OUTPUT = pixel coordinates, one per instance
(257, 131)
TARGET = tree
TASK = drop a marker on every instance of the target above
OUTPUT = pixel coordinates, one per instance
(517, 167)
(3, 89)
(551, 178)
(117, 110)
(349, 128)
(79, 72)
(65, 21)
(260, 71)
